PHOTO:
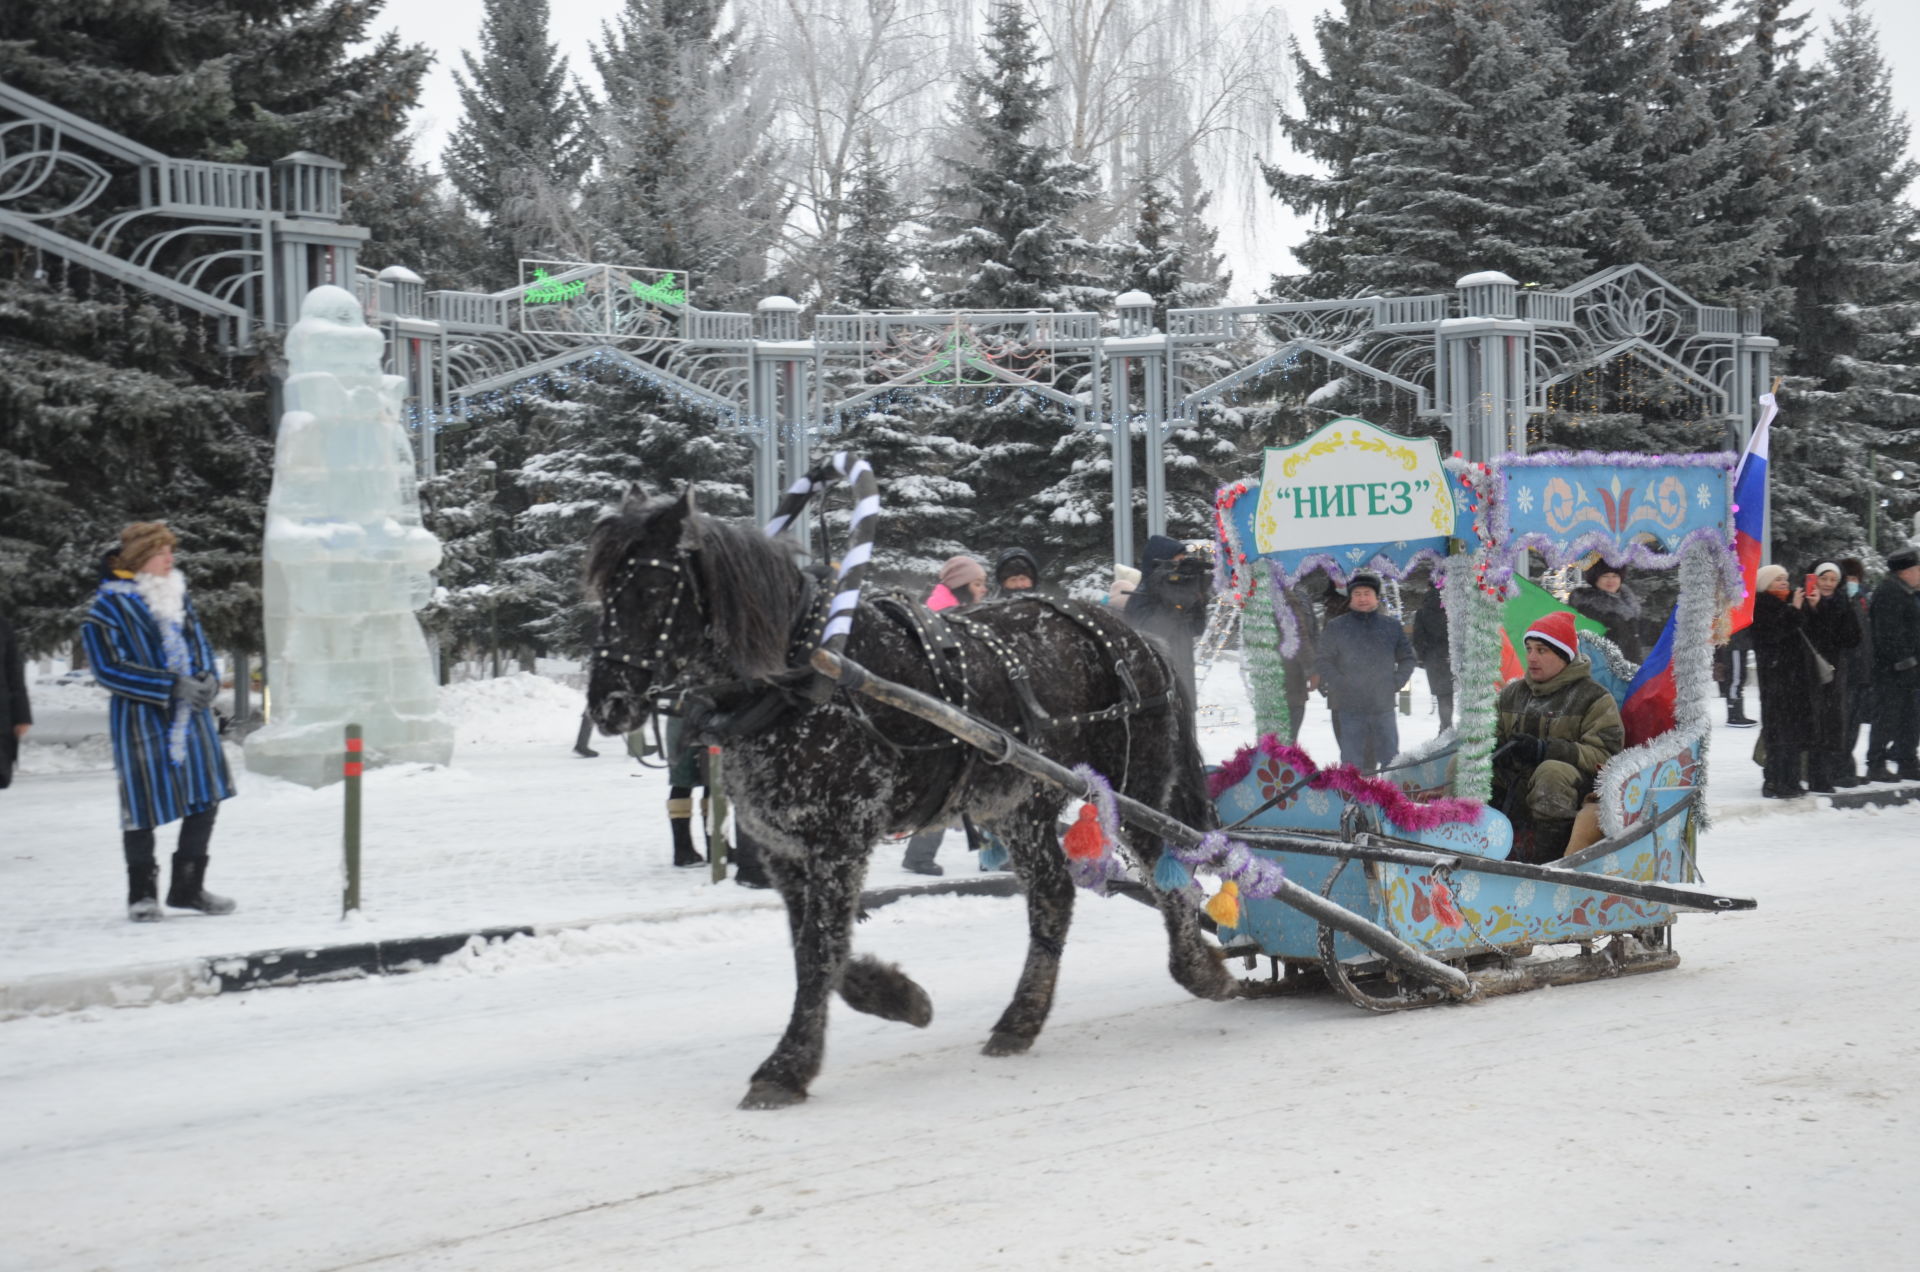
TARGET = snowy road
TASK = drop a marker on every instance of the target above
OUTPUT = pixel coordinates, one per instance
(568, 1103)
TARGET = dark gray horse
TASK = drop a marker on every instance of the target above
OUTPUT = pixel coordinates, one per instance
(688, 600)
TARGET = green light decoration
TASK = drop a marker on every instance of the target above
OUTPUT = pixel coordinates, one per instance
(544, 291)
(660, 292)
(957, 357)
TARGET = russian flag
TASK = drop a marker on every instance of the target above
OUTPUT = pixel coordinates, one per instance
(1750, 511)
(1648, 710)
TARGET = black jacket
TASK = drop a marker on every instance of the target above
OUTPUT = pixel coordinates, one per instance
(14, 706)
(1619, 612)
(1895, 615)
(1784, 660)
(1365, 659)
(1171, 601)
(1430, 638)
(1834, 632)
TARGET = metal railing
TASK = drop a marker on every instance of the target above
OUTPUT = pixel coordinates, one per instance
(201, 188)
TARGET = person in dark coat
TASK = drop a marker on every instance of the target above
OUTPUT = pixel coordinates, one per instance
(1834, 633)
(1171, 603)
(1430, 647)
(16, 712)
(149, 651)
(1015, 573)
(1859, 665)
(1557, 728)
(1895, 616)
(1365, 660)
(1607, 600)
(1784, 660)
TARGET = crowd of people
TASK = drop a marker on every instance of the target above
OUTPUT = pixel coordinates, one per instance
(1834, 656)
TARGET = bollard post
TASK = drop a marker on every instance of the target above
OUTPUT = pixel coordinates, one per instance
(350, 900)
(716, 817)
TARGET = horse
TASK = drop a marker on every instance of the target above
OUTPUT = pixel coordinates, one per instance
(688, 600)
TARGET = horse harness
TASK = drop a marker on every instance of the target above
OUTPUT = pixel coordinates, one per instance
(722, 712)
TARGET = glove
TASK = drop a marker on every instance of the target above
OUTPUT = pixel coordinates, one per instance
(196, 691)
(1523, 750)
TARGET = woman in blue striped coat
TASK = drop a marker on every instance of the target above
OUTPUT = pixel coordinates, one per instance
(148, 650)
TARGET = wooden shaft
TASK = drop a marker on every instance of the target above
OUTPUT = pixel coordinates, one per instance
(350, 897)
(1000, 748)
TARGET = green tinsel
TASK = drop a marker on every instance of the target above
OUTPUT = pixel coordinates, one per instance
(1473, 632)
(1261, 664)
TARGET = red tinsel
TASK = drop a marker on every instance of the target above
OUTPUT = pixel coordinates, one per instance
(1406, 813)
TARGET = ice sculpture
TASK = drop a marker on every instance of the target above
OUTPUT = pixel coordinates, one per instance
(347, 561)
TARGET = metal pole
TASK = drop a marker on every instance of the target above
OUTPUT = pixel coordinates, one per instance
(1121, 442)
(350, 899)
(1156, 431)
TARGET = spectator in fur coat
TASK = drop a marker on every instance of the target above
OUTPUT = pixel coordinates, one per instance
(16, 713)
(1607, 600)
(149, 651)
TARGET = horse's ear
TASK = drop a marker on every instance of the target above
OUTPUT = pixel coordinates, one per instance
(679, 517)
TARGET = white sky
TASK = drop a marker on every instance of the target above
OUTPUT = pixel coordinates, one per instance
(448, 26)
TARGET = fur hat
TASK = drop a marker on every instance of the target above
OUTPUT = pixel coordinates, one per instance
(1364, 580)
(1768, 576)
(1853, 568)
(1599, 568)
(959, 571)
(1904, 559)
(1016, 561)
(139, 542)
(1556, 629)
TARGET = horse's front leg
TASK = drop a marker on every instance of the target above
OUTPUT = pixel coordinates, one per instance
(821, 887)
(1042, 867)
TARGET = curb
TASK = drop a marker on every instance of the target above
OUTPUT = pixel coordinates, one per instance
(150, 983)
(1884, 797)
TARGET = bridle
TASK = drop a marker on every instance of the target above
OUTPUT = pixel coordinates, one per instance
(638, 655)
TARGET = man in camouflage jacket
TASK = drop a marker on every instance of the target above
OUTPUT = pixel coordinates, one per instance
(1557, 728)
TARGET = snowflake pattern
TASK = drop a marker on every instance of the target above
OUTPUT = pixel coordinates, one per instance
(1704, 495)
(1319, 802)
(1523, 499)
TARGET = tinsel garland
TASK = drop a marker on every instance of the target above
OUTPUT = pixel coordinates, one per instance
(1473, 638)
(1283, 615)
(1228, 859)
(1702, 602)
(1346, 780)
(1263, 667)
(1095, 873)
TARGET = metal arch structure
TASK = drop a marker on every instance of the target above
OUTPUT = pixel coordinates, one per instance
(241, 245)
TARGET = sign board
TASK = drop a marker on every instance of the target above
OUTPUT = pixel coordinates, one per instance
(1352, 496)
(1352, 482)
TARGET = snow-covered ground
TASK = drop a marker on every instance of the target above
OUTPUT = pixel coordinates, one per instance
(567, 1101)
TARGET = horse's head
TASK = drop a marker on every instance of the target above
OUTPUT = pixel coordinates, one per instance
(682, 596)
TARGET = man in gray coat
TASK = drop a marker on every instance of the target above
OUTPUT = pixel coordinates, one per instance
(1365, 660)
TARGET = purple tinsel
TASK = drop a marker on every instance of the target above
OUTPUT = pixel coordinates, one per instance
(1095, 873)
(1258, 877)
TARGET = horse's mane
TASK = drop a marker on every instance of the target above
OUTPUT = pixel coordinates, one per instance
(752, 588)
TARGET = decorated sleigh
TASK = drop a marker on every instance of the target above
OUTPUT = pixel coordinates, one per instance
(1419, 851)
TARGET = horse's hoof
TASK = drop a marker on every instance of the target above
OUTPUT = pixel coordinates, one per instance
(1006, 1044)
(771, 1095)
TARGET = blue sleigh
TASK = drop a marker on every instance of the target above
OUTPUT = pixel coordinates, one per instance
(1452, 888)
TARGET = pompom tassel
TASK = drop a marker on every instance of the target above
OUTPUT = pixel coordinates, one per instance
(1171, 873)
(995, 855)
(1084, 840)
(1224, 907)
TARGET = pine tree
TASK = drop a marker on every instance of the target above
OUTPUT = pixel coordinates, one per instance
(688, 178)
(871, 260)
(1854, 386)
(116, 407)
(522, 147)
(415, 221)
(1447, 153)
(1003, 234)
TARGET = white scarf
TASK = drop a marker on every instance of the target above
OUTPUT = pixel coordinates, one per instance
(166, 599)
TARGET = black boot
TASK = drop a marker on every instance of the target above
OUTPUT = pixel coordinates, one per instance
(1819, 773)
(680, 819)
(749, 869)
(143, 876)
(1737, 716)
(143, 893)
(1880, 772)
(186, 890)
(1909, 771)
